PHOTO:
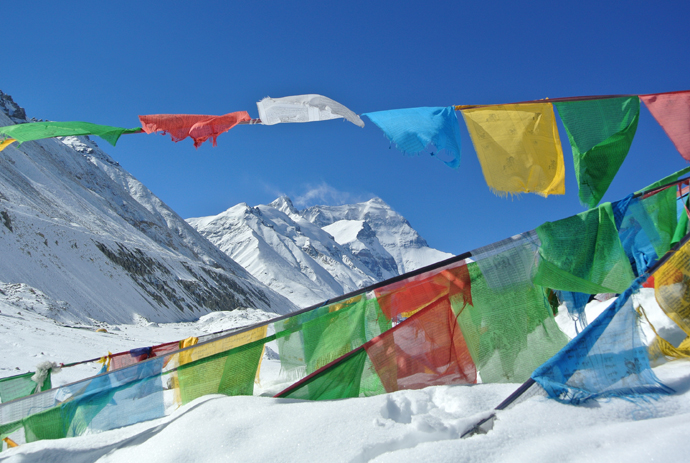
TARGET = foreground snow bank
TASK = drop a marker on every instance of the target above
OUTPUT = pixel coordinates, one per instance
(420, 425)
(404, 426)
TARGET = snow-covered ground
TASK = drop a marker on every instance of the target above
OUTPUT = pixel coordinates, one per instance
(423, 425)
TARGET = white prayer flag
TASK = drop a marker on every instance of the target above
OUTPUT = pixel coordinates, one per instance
(303, 108)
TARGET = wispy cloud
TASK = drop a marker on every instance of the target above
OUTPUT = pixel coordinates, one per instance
(325, 194)
(273, 190)
(321, 194)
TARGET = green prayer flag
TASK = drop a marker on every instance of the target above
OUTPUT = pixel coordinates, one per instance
(340, 381)
(52, 423)
(19, 386)
(600, 134)
(311, 340)
(509, 330)
(664, 181)
(230, 373)
(38, 130)
(661, 213)
(584, 254)
(681, 228)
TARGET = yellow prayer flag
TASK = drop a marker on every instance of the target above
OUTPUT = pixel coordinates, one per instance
(672, 287)
(518, 147)
(186, 356)
(106, 361)
(257, 378)
(208, 349)
(5, 143)
(10, 443)
(221, 345)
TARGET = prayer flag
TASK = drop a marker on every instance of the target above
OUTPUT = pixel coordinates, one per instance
(427, 349)
(231, 372)
(18, 386)
(508, 262)
(672, 112)
(303, 108)
(124, 359)
(412, 130)
(509, 329)
(583, 253)
(199, 127)
(308, 341)
(404, 298)
(600, 134)
(518, 147)
(38, 130)
(671, 285)
(575, 304)
(608, 359)
(5, 143)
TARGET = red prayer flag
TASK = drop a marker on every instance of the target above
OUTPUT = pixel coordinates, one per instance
(428, 349)
(672, 112)
(125, 359)
(412, 294)
(199, 127)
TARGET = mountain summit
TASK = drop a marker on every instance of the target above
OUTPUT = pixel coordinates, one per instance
(312, 255)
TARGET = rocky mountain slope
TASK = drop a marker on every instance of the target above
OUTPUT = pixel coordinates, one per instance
(77, 227)
(324, 251)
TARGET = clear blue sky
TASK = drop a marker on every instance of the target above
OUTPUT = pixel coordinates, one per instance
(107, 62)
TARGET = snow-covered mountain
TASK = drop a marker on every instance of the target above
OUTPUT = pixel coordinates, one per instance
(409, 250)
(324, 251)
(87, 235)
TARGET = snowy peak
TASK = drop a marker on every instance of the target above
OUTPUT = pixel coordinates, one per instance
(313, 255)
(287, 253)
(284, 205)
(409, 250)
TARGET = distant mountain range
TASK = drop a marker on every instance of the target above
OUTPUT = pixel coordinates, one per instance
(315, 254)
(98, 245)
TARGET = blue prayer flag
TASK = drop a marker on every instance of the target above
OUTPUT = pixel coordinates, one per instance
(412, 130)
(608, 359)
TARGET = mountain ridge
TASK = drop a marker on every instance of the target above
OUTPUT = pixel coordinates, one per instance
(320, 252)
(87, 234)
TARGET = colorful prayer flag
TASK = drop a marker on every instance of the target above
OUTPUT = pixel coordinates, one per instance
(38, 130)
(608, 359)
(303, 108)
(518, 147)
(5, 143)
(671, 285)
(509, 329)
(413, 130)
(427, 349)
(583, 253)
(404, 298)
(199, 127)
(600, 134)
(672, 111)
